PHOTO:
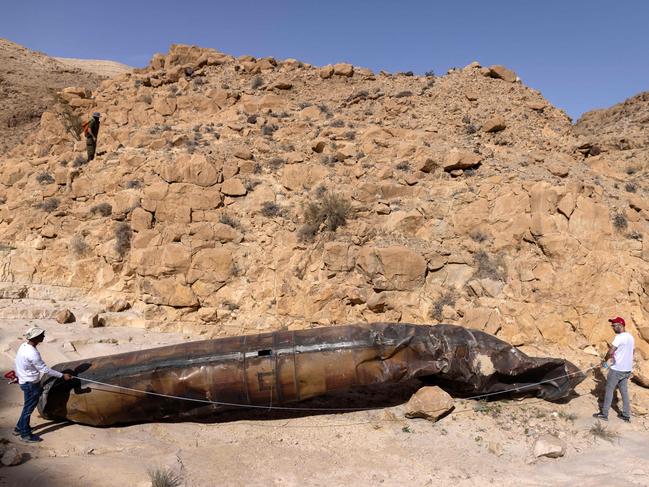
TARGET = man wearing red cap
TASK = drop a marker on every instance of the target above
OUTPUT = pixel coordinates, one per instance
(621, 353)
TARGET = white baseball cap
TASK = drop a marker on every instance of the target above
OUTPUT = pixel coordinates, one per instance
(34, 332)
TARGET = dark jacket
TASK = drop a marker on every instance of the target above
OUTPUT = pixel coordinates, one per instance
(93, 128)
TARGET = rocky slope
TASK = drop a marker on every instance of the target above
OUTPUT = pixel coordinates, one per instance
(98, 66)
(618, 139)
(233, 195)
(28, 85)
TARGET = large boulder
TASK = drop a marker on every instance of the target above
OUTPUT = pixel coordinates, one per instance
(641, 373)
(494, 124)
(549, 446)
(195, 169)
(64, 316)
(393, 268)
(461, 159)
(501, 72)
(429, 403)
(165, 106)
(211, 265)
(11, 457)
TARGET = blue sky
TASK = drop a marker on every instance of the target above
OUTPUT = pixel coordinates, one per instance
(580, 54)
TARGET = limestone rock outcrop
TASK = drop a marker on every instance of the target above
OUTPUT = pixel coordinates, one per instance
(241, 194)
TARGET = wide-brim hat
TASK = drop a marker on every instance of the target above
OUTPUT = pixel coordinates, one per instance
(34, 332)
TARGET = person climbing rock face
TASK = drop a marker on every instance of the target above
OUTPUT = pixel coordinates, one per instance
(91, 131)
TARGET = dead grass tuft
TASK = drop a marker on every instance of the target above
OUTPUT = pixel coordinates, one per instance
(163, 477)
(599, 431)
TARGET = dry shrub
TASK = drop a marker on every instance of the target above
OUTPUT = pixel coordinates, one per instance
(619, 222)
(78, 245)
(276, 163)
(268, 130)
(478, 236)
(134, 184)
(403, 166)
(103, 209)
(229, 220)
(45, 178)
(79, 161)
(257, 82)
(492, 267)
(329, 211)
(270, 209)
(49, 205)
(446, 299)
(123, 234)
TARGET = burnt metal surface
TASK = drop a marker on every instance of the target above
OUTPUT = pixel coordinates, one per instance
(289, 366)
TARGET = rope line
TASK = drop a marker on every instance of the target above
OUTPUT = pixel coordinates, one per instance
(288, 408)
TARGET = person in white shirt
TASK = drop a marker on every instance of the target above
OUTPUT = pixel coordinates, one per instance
(621, 355)
(29, 367)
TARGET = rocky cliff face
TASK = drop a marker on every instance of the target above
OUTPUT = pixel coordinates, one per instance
(233, 195)
(28, 84)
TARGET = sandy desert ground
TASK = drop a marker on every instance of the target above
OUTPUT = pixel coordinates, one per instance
(477, 444)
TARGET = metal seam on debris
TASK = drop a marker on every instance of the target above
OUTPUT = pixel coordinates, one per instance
(286, 408)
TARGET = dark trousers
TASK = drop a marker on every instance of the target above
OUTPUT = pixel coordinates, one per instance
(91, 146)
(32, 393)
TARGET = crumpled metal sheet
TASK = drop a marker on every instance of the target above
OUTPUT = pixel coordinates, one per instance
(288, 366)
